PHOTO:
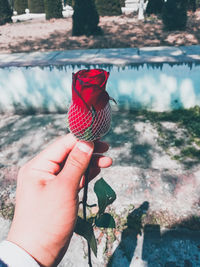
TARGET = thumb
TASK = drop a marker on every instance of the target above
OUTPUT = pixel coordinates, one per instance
(76, 164)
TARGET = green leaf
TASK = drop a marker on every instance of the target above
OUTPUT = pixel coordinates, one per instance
(85, 229)
(105, 194)
(105, 221)
(88, 134)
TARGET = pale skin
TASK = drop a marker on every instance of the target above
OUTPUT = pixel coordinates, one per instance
(47, 196)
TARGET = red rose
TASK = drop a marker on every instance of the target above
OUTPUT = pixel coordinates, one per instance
(89, 115)
(88, 89)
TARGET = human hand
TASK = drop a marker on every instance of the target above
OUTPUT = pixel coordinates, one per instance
(47, 197)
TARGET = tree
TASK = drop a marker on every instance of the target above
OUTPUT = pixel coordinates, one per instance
(192, 4)
(53, 9)
(122, 3)
(11, 2)
(69, 2)
(5, 12)
(154, 7)
(36, 6)
(174, 14)
(108, 7)
(20, 6)
(85, 18)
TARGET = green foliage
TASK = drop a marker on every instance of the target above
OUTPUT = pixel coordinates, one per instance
(105, 196)
(88, 134)
(20, 6)
(154, 7)
(191, 5)
(191, 152)
(85, 229)
(174, 14)
(85, 18)
(108, 7)
(188, 122)
(53, 9)
(5, 12)
(122, 3)
(11, 3)
(105, 221)
(69, 3)
(36, 6)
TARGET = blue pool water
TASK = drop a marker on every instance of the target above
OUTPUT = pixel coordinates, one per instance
(157, 87)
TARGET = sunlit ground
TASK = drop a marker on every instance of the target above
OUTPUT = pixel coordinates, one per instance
(156, 160)
(142, 144)
(118, 31)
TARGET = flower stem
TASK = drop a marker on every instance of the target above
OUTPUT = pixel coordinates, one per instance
(85, 193)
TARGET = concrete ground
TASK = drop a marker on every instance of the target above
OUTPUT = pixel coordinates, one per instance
(155, 172)
(105, 57)
(157, 209)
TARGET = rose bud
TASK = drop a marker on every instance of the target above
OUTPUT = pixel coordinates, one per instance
(89, 114)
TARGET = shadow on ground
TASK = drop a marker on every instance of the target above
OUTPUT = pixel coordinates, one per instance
(150, 245)
(135, 139)
(134, 136)
(176, 132)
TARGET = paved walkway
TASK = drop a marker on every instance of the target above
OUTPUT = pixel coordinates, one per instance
(121, 57)
(165, 192)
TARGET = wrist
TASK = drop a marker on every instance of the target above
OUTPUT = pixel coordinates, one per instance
(12, 255)
(32, 247)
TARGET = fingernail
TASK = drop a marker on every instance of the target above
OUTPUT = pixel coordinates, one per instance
(85, 147)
